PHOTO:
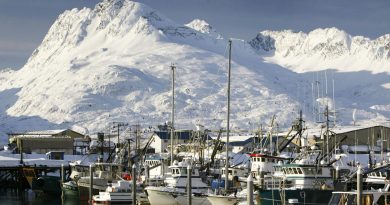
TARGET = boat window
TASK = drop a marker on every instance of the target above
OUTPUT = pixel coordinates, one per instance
(284, 171)
(183, 171)
(310, 171)
(290, 170)
(299, 170)
(262, 159)
(287, 171)
(254, 174)
(295, 170)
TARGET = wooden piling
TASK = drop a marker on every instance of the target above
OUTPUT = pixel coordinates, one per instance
(250, 190)
(134, 183)
(189, 184)
(359, 187)
(90, 183)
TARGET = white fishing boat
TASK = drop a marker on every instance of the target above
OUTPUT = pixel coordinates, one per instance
(155, 163)
(117, 193)
(224, 200)
(175, 189)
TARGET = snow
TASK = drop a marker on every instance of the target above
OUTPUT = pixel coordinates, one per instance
(112, 63)
(7, 159)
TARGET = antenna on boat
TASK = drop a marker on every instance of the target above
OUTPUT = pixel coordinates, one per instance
(228, 120)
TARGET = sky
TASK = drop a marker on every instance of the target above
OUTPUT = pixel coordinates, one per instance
(24, 23)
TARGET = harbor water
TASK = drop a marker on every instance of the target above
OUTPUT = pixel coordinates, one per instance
(28, 197)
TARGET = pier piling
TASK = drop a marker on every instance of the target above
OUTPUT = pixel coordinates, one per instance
(359, 187)
(250, 190)
(189, 185)
(134, 183)
(90, 183)
(62, 173)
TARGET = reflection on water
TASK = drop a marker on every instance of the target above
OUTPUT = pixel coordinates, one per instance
(28, 197)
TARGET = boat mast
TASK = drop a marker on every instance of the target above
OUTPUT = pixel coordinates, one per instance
(327, 133)
(173, 110)
(228, 120)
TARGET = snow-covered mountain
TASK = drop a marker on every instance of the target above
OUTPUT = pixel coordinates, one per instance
(324, 49)
(112, 63)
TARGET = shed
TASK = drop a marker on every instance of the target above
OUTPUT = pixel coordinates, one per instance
(42, 142)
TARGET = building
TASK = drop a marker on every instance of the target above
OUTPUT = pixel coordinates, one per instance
(42, 142)
(161, 139)
(370, 136)
(249, 143)
(359, 135)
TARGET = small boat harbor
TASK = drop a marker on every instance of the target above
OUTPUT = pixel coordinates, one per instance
(335, 166)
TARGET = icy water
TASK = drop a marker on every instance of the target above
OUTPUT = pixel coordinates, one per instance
(12, 196)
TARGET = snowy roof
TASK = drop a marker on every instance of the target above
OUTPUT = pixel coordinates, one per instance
(180, 134)
(41, 132)
(336, 130)
(245, 139)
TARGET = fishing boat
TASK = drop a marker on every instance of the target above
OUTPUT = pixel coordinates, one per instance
(175, 189)
(224, 200)
(155, 163)
(42, 184)
(117, 193)
(104, 173)
(77, 171)
(375, 187)
(306, 182)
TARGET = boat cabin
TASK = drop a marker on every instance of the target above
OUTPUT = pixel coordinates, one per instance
(263, 163)
(302, 176)
(234, 172)
(178, 171)
(156, 167)
(108, 171)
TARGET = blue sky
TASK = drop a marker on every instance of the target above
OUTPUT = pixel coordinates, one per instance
(24, 23)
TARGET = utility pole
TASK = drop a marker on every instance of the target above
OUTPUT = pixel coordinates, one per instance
(228, 120)
(137, 133)
(173, 111)
(118, 125)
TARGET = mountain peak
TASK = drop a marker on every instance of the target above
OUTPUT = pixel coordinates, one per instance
(203, 27)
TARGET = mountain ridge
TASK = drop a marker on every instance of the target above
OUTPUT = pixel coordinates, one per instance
(332, 48)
